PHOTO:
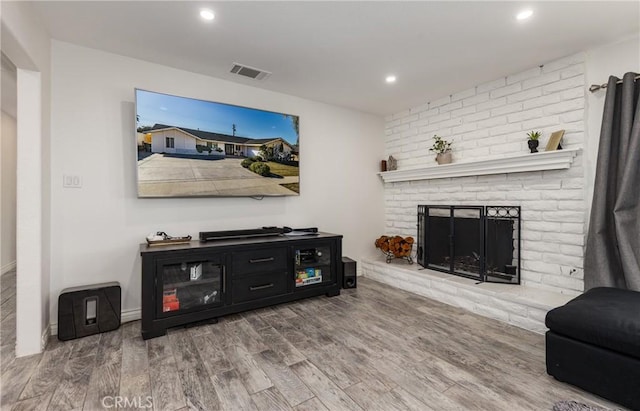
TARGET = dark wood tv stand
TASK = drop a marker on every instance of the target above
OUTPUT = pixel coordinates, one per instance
(199, 281)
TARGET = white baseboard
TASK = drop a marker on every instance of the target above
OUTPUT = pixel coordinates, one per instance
(125, 317)
(8, 267)
(45, 337)
(130, 315)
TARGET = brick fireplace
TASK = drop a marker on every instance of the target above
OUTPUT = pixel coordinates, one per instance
(488, 125)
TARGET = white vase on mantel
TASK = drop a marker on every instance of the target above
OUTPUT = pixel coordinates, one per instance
(444, 158)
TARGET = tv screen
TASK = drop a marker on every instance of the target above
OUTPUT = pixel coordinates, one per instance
(195, 148)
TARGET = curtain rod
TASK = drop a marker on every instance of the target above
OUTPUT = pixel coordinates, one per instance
(596, 87)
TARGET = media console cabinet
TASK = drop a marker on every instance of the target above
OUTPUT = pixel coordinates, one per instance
(200, 281)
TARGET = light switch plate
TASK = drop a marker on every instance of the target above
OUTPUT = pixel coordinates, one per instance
(70, 181)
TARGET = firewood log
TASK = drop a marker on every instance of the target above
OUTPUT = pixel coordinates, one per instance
(395, 245)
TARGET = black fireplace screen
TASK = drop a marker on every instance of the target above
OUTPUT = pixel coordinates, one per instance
(479, 242)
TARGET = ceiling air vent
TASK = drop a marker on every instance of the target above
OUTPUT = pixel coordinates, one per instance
(250, 72)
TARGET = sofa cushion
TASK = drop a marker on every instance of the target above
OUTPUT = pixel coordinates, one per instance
(606, 317)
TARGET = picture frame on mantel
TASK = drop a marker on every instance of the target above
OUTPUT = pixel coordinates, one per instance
(554, 141)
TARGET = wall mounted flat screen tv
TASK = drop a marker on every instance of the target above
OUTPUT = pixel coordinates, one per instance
(195, 148)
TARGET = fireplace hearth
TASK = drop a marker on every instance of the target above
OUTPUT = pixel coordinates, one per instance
(479, 242)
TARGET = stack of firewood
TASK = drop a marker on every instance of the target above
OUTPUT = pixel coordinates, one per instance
(396, 245)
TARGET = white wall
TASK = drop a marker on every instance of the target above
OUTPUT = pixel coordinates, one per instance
(97, 228)
(27, 45)
(614, 59)
(8, 196)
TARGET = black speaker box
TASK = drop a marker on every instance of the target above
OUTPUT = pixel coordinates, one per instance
(349, 279)
(88, 310)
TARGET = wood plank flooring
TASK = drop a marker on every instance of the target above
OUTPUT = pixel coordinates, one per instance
(372, 348)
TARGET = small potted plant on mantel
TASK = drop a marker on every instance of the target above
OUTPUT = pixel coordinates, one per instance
(533, 140)
(442, 148)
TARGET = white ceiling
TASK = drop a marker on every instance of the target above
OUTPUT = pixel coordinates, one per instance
(340, 52)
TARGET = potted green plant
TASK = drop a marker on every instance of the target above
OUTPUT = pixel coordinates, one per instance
(442, 148)
(533, 140)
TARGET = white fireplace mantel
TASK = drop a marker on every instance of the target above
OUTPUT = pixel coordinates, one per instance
(547, 160)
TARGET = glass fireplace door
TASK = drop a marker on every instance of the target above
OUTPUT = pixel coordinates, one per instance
(468, 245)
(438, 247)
(502, 226)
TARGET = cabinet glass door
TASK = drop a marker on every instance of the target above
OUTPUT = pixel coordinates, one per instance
(312, 265)
(190, 285)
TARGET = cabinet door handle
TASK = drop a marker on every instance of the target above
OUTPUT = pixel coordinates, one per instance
(261, 260)
(260, 287)
(224, 279)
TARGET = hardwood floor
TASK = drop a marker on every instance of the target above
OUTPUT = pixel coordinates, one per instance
(371, 348)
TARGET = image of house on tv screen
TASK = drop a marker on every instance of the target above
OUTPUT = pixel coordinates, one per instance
(189, 147)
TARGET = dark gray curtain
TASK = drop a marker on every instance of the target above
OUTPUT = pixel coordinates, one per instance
(612, 255)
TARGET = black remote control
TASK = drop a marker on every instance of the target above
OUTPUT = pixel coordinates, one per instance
(307, 230)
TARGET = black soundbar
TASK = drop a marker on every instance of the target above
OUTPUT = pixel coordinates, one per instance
(225, 235)
(256, 232)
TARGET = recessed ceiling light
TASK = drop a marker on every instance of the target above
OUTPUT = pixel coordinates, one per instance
(524, 14)
(207, 14)
(390, 79)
